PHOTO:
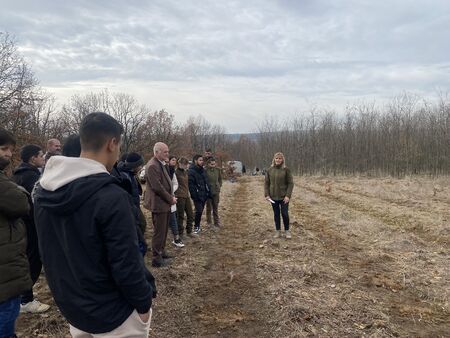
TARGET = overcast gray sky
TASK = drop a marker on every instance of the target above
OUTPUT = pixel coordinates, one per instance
(235, 61)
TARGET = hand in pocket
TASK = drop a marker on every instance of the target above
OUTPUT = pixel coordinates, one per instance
(145, 317)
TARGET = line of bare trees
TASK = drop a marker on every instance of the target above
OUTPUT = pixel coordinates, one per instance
(407, 136)
(404, 137)
(32, 115)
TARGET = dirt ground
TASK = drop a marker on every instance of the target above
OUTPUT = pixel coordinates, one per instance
(369, 257)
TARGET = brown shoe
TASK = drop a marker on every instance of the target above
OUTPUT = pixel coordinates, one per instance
(160, 263)
(165, 255)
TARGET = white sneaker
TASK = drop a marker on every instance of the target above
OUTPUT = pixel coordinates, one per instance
(287, 234)
(34, 307)
(178, 243)
(277, 234)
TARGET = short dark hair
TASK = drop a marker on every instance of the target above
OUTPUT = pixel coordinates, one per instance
(6, 137)
(208, 150)
(196, 157)
(28, 151)
(72, 146)
(96, 129)
(211, 159)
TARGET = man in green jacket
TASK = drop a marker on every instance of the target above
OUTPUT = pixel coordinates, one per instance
(215, 181)
(184, 204)
(14, 270)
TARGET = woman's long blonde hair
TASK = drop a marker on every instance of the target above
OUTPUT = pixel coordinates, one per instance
(279, 154)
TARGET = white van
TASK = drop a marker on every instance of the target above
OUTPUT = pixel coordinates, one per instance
(237, 166)
(141, 175)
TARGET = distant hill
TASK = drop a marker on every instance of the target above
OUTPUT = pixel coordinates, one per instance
(236, 137)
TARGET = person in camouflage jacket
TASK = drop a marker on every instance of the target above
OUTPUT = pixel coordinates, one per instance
(215, 181)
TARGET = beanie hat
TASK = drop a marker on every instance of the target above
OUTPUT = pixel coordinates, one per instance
(134, 160)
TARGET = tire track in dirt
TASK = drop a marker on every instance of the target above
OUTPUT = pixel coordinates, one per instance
(383, 301)
(230, 299)
(433, 194)
(398, 222)
(404, 203)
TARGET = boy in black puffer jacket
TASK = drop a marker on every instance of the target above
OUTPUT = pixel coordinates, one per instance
(199, 189)
(26, 175)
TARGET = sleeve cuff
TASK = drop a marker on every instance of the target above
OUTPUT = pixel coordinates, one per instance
(144, 308)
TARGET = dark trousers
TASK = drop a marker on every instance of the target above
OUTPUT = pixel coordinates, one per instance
(34, 261)
(199, 206)
(160, 227)
(184, 206)
(213, 204)
(280, 206)
(173, 224)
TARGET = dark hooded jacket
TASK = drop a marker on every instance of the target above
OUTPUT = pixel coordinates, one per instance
(199, 187)
(128, 181)
(88, 245)
(26, 175)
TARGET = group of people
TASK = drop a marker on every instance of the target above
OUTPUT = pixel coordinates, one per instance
(170, 187)
(79, 216)
(20, 262)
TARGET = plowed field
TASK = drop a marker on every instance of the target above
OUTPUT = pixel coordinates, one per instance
(368, 257)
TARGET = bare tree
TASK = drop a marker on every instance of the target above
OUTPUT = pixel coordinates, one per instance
(158, 126)
(17, 84)
(123, 107)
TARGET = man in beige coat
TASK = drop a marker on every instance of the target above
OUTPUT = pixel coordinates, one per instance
(158, 199)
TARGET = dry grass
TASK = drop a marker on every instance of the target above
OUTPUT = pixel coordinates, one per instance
(369, 257)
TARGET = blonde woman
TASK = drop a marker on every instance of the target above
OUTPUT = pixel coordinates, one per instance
(278, 187)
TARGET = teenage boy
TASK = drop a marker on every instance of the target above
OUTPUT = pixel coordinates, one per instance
(87, 238)
(26, 175)
(199, 189)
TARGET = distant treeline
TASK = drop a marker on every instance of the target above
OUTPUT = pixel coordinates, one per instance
(407, 136)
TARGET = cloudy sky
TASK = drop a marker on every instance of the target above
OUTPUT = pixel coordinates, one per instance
(235, 62)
